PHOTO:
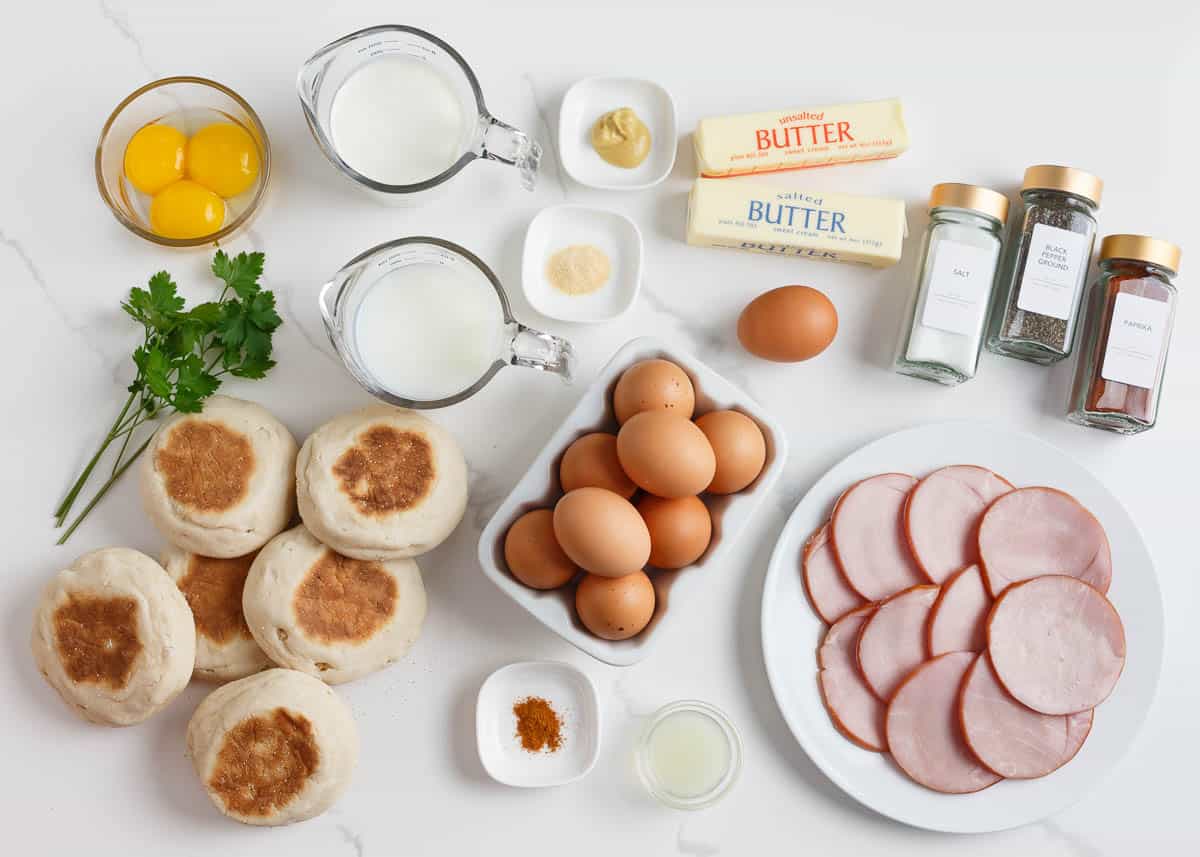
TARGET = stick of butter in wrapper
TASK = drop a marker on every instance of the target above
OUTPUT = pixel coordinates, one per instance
(795, 139)
(784, 221)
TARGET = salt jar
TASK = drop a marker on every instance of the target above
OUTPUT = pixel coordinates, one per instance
(1045, 265)
(943, 333)
(1123, 350)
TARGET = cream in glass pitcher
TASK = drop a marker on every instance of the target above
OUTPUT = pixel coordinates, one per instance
(423, 323)
(399, 111)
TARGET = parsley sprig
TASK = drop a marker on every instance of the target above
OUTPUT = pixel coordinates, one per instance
(183, 356)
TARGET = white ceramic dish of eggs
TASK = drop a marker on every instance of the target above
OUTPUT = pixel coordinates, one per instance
(539, 489)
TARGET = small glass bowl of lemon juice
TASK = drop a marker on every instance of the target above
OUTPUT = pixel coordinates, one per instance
(689, 755)
(183, 162)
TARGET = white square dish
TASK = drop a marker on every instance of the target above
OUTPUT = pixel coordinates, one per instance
(539, 489)
(573, 697)
(591, 98)
(562, 226)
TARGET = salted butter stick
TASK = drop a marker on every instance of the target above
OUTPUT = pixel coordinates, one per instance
(835, 227)
(795, 139)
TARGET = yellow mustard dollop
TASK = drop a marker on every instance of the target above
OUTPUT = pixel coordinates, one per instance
(621, 138)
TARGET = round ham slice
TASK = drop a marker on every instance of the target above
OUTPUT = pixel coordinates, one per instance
(867, 532)
(891, 643)
(941, 517)
(853, 708)
(923, 731)
(1032, 532)
(1057, 644)
(958, 620)
(828, 591)
(1010, 739)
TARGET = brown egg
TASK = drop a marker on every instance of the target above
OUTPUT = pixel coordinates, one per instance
(615, 608)
(680, 529)
(665, 454)
(788, 324)
(532, 553)
(739, 446)
(591, 462)
(654, 385)
(601, 532)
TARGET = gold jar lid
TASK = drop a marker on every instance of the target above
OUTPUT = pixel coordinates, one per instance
(1142, 248)
(971, 197)
(1066, 179)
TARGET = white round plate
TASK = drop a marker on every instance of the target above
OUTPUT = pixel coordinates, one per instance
(791, 632)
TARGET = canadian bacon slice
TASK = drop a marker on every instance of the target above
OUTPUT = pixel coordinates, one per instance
(941, 517)
(1031, 532)
(1056, 643)
(827, 590)
(867, 531)
(958, 620)
(891, 643)
(923, 731)
(1010, 739)
(854, 710)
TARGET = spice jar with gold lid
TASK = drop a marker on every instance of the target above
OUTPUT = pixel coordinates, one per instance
(1045, 265)
(1127, 329)
(943, 330)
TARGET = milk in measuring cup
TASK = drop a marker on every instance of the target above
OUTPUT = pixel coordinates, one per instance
(427, 331)
(397, 120)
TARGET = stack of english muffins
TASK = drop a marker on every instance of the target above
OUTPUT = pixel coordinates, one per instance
(246, 595)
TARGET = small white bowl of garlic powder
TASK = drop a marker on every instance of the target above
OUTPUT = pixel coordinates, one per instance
(581, 264)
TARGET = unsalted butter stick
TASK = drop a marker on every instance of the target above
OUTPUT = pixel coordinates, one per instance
(835, 227)
(794, 139)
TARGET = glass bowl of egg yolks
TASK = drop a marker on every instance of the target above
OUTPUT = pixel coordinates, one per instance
(183, 162)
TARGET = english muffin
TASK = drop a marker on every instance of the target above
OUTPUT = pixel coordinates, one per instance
(114, 636)
(381, 483)
(273, 748)
(328, 615)
(225, 648)
(219, 483)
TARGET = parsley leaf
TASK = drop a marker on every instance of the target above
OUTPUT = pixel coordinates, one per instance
(240, 273)
(260, 310)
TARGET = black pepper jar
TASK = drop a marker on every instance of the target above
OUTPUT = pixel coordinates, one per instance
(1036, 306)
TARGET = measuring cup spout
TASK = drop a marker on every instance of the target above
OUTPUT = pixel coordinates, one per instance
(502, 142)
(542, 351)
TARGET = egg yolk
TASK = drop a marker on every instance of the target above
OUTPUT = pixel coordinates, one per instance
(223, 158)
(186, 210)
(154, 157)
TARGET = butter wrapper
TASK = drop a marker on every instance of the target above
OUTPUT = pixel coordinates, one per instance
(795, 139)
(834, 227)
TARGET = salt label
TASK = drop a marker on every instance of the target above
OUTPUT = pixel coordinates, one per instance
(1053, 269)
(1135, 340)
(960, 282)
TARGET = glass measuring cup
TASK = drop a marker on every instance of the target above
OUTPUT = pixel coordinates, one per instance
(465, 337)
(484, 136)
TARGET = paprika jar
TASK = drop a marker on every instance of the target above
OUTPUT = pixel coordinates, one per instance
(1045, 265)
(1127, 329)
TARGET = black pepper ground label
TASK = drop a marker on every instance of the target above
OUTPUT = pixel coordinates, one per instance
(1047, 330)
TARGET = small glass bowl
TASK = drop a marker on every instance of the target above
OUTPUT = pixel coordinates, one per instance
(158, 99)
(645, 767)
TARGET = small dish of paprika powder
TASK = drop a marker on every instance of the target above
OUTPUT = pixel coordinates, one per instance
(537, 724)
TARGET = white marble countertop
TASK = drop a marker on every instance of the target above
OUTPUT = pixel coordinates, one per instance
(986, 92)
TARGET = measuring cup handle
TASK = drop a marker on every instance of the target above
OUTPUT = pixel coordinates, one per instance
(504, 143)
(542, 351)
